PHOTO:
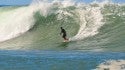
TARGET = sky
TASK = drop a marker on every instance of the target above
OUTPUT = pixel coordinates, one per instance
(15, 2)
(26, 2)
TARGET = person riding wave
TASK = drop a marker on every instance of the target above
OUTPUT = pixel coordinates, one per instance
(63, 33)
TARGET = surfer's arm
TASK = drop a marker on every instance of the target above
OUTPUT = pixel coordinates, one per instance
(61, 32)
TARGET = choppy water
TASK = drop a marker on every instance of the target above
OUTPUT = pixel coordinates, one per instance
(55, 60)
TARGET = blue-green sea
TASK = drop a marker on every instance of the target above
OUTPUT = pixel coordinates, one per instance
(30, 36)
(55, 60)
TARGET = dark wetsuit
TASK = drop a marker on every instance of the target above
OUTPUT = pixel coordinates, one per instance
(64, 33)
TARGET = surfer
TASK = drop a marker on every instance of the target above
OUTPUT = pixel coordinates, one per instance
(63, 33)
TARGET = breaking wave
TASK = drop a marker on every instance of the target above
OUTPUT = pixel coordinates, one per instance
(95, 26)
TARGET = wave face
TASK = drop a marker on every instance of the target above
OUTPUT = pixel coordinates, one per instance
(93, 27)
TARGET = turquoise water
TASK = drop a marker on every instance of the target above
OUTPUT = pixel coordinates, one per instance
(55, 60)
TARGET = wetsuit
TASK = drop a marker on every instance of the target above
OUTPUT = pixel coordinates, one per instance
(64, 33)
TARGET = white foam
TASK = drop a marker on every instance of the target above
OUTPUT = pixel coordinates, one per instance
(90, 22)
(14, 23)
(112, 65)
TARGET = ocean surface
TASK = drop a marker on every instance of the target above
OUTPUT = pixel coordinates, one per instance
(56, 60)
(30, 36)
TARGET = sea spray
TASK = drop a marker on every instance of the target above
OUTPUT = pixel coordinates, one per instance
(90, 22)
(15, 22)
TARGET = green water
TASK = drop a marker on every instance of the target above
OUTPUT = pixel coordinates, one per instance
(45, 34)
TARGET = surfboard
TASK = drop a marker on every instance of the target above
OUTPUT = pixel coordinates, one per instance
(66, 40)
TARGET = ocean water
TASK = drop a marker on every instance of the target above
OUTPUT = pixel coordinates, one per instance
(30, 36)
(56, 60)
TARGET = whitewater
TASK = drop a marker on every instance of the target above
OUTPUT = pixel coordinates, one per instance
(98, 26)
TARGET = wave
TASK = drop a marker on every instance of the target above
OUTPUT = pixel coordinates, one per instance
(37, 26)
(15, 22)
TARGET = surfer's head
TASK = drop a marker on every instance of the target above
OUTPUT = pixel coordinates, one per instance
(61, 27)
